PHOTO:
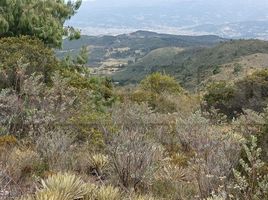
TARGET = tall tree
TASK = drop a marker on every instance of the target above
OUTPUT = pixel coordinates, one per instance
(43, 19)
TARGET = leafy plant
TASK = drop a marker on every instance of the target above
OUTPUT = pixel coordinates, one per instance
(22, 56)
(108, 193)
(68, 184)
(29, 18)
(250, 183)
(98, 162)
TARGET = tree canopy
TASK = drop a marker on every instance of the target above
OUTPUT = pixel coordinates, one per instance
(43, 19)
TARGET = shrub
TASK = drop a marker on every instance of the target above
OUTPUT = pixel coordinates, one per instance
(250, 183)
(63, 183)
(21, 163)
(217, 70)
(237, 68)
(108, 193)
(248, 93)
(219, 96)
(8, 140)
(252, 92)
(22, 56)
(54, 147)
(133, 157)
(216, 150)
(158, 83)
(98, 163)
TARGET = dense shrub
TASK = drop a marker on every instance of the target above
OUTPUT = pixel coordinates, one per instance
(248, 93)
(219, 96)
(163, 94)
(22, 56)
(158, 83)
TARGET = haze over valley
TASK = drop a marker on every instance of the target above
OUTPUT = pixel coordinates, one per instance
(229, 19)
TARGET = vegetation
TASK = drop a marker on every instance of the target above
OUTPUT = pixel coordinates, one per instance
(22, 56)
(248, 93)
(66, 134)
(43, 20)
(134, 46)
(191, 67)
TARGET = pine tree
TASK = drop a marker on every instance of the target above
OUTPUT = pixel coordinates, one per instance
(82, 57)
(43, 19)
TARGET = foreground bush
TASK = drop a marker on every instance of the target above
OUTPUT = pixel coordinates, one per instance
(65, 186)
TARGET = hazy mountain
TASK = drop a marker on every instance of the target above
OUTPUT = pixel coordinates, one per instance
(246, 29)
(171, 16)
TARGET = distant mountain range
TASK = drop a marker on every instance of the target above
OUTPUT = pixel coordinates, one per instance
(229, 19)
(127, 48)
(246, 30)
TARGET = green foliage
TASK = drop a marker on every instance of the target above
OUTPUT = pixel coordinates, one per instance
(65, 119)
(217, 70)
(22, 56)
(158, 83)
(237, 68)
(141, 43)
(78, 62)
(163, 93)
(248, 93)
(192, 66)
(44, 20)
(82, 57)
(218, 96)
(250, 183)
(252, 91)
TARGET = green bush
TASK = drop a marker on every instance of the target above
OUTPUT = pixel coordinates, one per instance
(21, 57)
(248, 93)
(219, 96)
(158, 83)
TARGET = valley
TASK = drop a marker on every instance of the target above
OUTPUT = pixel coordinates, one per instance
(192, 60)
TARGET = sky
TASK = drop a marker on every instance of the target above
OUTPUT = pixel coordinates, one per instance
(166, 14)
(104, 3)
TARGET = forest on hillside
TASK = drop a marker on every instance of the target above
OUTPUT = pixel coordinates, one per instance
(68, 134)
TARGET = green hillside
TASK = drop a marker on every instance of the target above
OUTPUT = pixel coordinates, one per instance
(130, 47)
(191, 66)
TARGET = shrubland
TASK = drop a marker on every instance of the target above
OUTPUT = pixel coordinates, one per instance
(66, 134)
(77, 136)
